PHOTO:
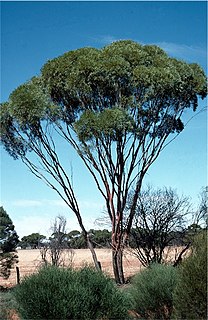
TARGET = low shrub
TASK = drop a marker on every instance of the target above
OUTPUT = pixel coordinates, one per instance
(7, 303)
(58, 293)
(152, 291)
(190, 295)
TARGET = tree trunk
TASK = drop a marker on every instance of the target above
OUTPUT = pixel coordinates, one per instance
(117, 259)
(88, 241)
(179, 259)
(94, 256)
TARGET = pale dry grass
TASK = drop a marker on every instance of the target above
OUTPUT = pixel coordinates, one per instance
(30, 261)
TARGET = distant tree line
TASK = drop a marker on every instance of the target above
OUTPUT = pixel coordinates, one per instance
(101, 238)
(71, 240)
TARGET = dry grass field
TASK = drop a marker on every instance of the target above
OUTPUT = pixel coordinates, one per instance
(30, 261)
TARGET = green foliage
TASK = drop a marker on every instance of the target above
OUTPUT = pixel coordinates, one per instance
(29, 103)
(33, 240)
(100, 238)
(96, 76)
(8, 242)
(7, 303)
(123, 77)
(112, 123)
(76, 240)
(152, 291)
(55, 293)
(190, 296)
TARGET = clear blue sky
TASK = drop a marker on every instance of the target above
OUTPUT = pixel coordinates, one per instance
(33, 32)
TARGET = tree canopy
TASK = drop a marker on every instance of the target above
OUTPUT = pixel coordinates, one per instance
(135, 88)
(33, 240)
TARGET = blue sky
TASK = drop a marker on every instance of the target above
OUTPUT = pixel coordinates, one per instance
(33, 32)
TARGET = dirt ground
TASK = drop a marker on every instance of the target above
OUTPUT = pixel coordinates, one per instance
(30, 261)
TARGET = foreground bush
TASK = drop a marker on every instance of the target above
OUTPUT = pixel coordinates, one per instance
(190, 296)
(152, 291)
(7, 303)
(57, 293)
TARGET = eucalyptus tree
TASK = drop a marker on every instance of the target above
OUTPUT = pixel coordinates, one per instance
(117, 107)
(33, 240)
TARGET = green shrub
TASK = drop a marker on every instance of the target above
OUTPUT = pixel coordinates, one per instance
(152, 291)
(7, 303)
(190, 295)
(57, 293)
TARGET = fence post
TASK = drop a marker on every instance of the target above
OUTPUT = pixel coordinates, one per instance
(99, 264)
(18, 275)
